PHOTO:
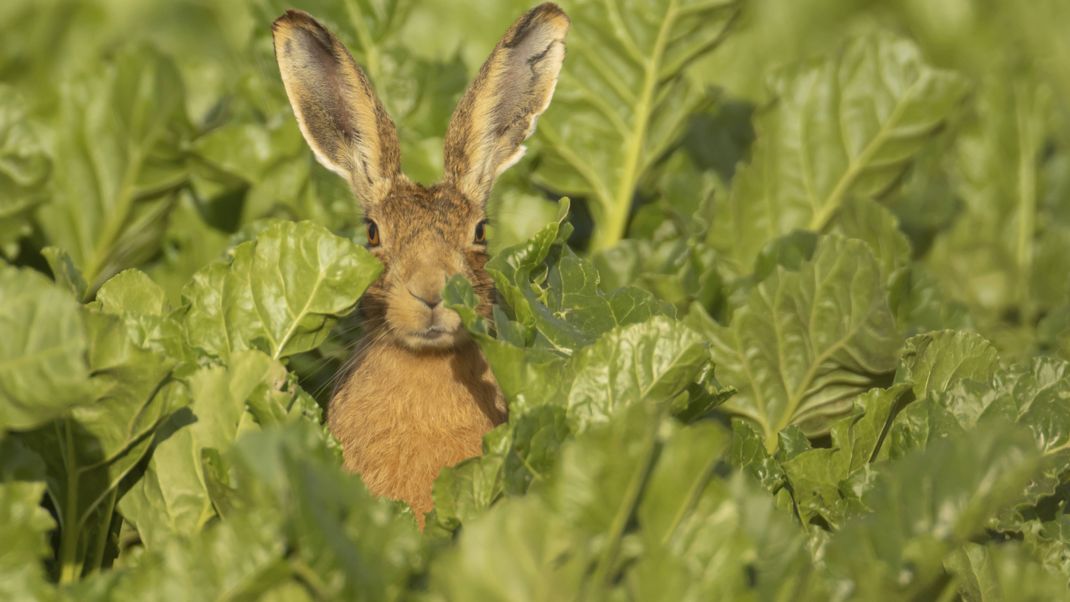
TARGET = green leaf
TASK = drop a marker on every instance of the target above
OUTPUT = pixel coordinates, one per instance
(826, 482)
(877, 226)
(466, 490)
(847, 125)
(1049, 541)
(650, 362)
(566, 536)
(926, 505)
(356, 546)
(241, 557)
(624, 98)
(65, 273)
(280, 293)
(131, 291)
(999, 255)
(729, 541)
(24, 527)
(43, 367)
(171, 498)
(88, 451)
(932, 362)
(553, 291)
(993, 573)
(24, 170)
(808, 342)
(123, 129)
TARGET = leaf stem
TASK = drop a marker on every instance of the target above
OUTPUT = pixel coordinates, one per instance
(619, 206)
(1027, 201)
(628, 502)
(104, 529)
(68, 537)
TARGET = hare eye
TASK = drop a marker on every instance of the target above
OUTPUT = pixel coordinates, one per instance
(373, 233)
(481, 232)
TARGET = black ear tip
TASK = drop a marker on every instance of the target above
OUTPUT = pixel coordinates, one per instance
(295, 18)
(549, 11)
(303, 26)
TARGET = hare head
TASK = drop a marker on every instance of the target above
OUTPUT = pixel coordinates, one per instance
(422, 234)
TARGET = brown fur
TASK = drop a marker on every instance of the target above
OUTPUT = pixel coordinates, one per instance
(419, 395)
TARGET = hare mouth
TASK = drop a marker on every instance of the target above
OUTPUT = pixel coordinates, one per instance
(433, 337)
(432, 333)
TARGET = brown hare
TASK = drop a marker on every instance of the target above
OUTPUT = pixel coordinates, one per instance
(419, 396)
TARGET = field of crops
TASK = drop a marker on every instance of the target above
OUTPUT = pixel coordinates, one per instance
(783, 306)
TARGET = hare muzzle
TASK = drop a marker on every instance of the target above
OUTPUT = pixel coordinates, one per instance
(415, 309)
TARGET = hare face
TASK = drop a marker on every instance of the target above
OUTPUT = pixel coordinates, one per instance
(423, 236)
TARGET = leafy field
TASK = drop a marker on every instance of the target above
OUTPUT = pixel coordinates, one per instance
(784, 307)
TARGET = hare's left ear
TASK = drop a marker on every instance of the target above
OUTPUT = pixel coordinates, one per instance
(499, 110)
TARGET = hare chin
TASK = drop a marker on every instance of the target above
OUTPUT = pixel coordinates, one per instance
(436, 338)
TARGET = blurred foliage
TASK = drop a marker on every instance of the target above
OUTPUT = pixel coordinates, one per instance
(804, 334)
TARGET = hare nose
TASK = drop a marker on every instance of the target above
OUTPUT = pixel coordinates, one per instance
(430, 300)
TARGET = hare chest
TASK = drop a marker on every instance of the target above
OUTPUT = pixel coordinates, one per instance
(403, 416)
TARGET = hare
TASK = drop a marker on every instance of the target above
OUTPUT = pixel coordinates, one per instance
(419, 395)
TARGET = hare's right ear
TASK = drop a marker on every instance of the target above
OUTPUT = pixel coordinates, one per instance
(336, 108)
(499, 110)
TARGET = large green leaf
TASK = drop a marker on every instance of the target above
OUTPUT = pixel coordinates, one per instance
(24, 525)
(90, 449)
(24, 170)
(356, 546)
(926, 505)
(847, 125)
(808, 342)
(567, 537)
(1012, 235)
(624, 97)
(241, 558)
(555, 293)
(171, 497)
(704, 538)
(279, 293)
(43, 369)
(934, 361)
(121, 147)
(994, 573)
(654, 360)
(827, 483)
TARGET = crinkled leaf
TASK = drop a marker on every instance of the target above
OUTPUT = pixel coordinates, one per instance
(123, 130)
(808, 342)
(279, 293)
(933, 361)
(846, 125)
(43, 368)
(824, 481)
(994, 573)
(171, 498)
(927, 504)
(24, 170)
(651, 361)
(624, 98)
(24, 527)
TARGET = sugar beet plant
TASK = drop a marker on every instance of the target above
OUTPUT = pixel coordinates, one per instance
(804, 341)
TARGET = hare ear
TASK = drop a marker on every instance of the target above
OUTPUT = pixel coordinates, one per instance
(341, 118)
(499, 110)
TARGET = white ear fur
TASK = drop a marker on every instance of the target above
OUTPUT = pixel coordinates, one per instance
(337, 110)
(501, 107)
